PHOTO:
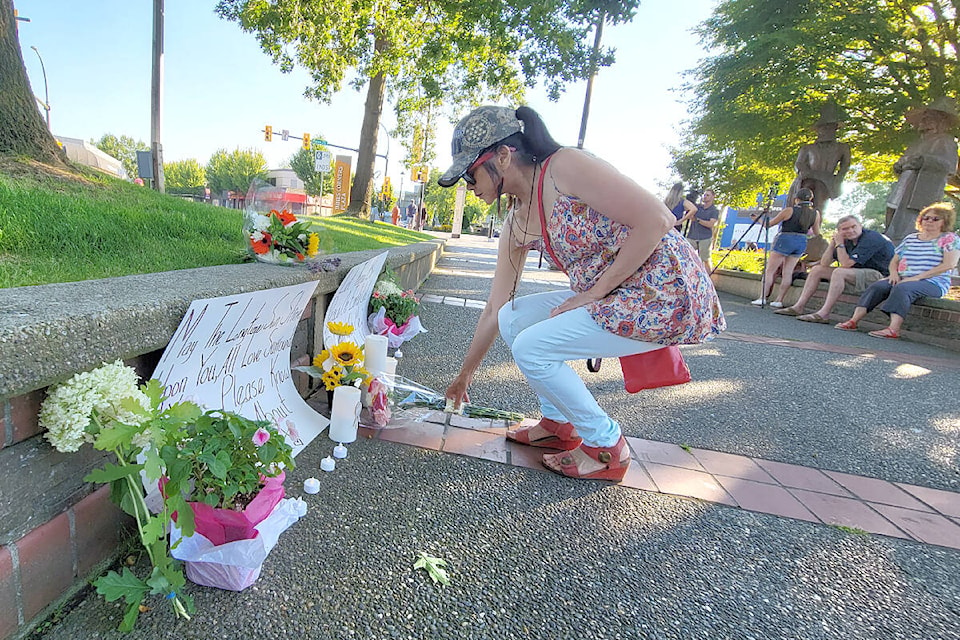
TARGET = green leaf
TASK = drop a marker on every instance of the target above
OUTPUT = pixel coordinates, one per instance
(217, 466)
(118, 434)
(111, 472)
(153, 464)
(433, 567)
(160, 585)
(154, 530)
(267, 452)
(130, 617)
(153, 389)
(114, 586)
(313, 372)
(184, 412)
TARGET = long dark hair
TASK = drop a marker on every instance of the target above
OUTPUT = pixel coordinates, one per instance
(534, 144)
(807, 215)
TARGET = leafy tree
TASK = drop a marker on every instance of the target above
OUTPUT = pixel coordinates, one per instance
(753, 102)
(234, 171)
(22, 129)
(123, 149)
(440, 202)
(302, 163)
(184, 177)
(462, 51)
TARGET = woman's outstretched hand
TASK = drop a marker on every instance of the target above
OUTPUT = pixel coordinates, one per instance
(457, 391)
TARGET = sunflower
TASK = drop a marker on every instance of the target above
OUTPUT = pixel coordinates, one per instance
(313, 245)
(346, 354)
(320, 358)
(331, 379)
(340, 328)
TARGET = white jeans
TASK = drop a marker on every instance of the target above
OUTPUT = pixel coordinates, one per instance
(541, 345)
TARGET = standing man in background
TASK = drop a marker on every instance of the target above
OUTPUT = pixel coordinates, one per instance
(700, 233)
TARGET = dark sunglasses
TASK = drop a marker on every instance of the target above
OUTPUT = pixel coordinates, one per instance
(468, 174)
(929, 219)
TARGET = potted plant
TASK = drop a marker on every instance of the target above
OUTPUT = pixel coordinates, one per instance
(395, 311)
(179, 446)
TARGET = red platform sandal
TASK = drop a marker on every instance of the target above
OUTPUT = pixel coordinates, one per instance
(616, 459)
(562, 435)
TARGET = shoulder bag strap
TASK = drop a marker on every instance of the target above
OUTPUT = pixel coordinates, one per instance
(593, 364)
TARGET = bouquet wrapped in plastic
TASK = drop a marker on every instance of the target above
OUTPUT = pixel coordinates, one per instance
(396, 400)
(274, 234)
(395, 312)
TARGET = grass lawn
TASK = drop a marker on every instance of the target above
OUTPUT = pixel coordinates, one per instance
(65, 226)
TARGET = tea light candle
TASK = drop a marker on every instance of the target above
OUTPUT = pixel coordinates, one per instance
(327, 464)
(344, 414)
(340, 451)
(311, 486)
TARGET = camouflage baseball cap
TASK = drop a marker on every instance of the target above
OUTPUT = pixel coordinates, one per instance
(481, 128)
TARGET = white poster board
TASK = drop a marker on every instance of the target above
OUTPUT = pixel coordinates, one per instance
(756, 234)
(351, 301)
(233, 353)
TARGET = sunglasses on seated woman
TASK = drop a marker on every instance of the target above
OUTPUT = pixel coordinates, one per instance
(929, 218)
(468, 174)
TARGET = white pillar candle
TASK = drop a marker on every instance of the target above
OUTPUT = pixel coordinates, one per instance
(390, 370)
(375, 354)
(344, 414)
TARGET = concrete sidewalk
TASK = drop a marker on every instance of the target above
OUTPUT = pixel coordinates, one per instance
(533, 554)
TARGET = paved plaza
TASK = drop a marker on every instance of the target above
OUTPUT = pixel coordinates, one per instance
(804, 485)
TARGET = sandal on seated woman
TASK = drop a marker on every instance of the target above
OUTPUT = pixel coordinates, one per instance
(592, 463)
(548, 434)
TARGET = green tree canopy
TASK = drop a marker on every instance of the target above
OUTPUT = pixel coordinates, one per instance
(234, 171)
(302, 163)
(753, 102)
(462, 51)
(184, 177)
(123, 149)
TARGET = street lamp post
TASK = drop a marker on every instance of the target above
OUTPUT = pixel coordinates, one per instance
(46, 90)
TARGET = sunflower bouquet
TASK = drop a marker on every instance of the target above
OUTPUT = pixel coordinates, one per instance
(342, 363)
(278, 237)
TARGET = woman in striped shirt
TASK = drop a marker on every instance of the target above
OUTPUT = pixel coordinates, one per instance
(920, 267)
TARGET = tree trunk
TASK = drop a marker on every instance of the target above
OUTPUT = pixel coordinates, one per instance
(22, 130)
(367, 155)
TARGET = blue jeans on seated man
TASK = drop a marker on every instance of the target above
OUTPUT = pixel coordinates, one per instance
(541, 345)
(897, 298)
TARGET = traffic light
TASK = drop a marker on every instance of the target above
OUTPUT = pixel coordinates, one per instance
(419, 173)
(268, 133)
(306, 141)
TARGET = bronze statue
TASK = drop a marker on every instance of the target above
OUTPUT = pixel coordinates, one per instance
(822, 165)
(924, 167)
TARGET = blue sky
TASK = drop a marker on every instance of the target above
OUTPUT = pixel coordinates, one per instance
(220, 89)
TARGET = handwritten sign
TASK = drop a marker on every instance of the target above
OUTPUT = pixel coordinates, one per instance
(233, 353)
(352, 299)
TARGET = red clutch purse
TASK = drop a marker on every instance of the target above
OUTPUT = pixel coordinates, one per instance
(652, 369)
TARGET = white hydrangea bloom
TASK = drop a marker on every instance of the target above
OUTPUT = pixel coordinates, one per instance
(387, 288)
(67, 410)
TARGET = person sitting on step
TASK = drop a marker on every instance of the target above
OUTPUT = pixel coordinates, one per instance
(920, 268)
(864, 257)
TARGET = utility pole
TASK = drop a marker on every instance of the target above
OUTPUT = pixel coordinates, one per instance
(46, 88)
(593, 71)
(156, 97)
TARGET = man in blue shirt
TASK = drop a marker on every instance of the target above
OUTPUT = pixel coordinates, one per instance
(864, 258)
(700, 232)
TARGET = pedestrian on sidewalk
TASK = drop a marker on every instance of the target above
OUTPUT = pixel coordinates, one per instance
(635, 283)
(701, 227)
(920, 268)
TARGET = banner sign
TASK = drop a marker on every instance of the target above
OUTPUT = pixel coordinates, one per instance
(341, 184)
(351, 301)
(233, 353)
